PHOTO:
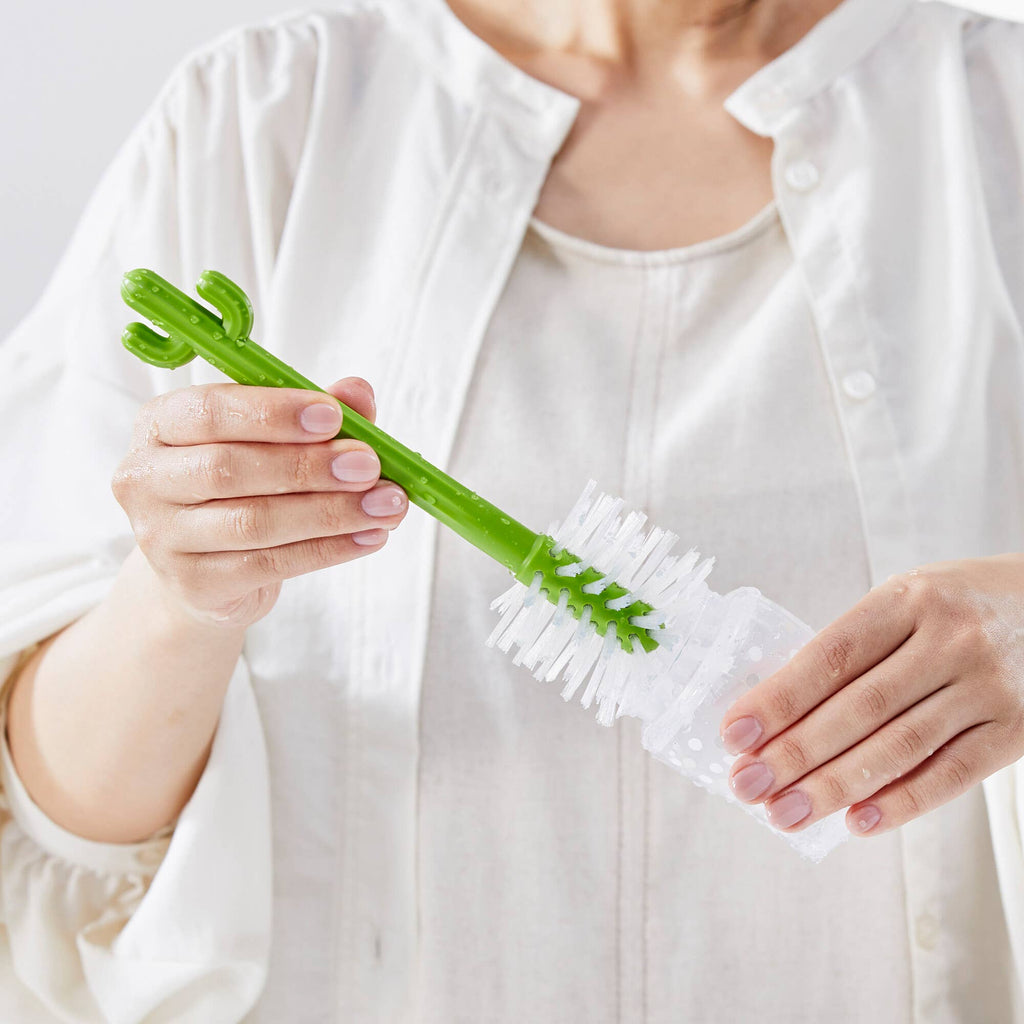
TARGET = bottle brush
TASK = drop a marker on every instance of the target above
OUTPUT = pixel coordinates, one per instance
(600, 600)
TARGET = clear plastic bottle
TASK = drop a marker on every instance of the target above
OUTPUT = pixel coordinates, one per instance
(735, 641)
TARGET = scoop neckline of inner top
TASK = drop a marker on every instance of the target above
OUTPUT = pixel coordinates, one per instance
(747, 232)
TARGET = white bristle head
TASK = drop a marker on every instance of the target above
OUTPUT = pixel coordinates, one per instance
(620, 544)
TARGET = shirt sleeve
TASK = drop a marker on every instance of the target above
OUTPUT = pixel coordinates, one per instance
(174, 928)
(177, 928)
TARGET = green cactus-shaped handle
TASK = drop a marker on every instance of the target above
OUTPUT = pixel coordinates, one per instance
(224, 342)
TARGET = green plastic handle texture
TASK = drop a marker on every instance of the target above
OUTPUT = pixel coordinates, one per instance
(224, 342)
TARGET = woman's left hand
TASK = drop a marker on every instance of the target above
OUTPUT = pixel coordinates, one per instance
(904, 702)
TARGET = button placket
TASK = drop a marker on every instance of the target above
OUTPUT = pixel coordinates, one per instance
(459, 282)
(829, 269)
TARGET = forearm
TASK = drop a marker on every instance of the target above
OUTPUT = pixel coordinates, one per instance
(110, 722)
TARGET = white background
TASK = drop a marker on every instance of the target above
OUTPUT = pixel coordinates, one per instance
(74, 79)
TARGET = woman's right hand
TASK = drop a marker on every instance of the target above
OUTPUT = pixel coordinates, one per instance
(231, 489)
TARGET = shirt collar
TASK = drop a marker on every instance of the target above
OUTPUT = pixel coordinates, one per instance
(539, 114)
(766, 99)
(542, 115)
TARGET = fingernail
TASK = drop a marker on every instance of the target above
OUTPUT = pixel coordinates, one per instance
(788, 809)
(866, 818)
(742, 735)
(753, 780)
(356, 467)
(320, 418)
(388, 500)
(370, 538)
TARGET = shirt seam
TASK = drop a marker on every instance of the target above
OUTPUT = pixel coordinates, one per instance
(638, 335)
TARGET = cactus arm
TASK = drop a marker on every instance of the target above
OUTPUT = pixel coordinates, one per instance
(155, 348)
(229, 300)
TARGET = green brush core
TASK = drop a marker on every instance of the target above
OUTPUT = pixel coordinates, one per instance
(225, 343)
(543, 561)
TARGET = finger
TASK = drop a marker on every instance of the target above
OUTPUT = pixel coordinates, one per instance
(241, 524)
(252, 569)
(357, 394)
(209, 413)
(857, 711)
(204, 472)
(857, 641)
(963, 762)
(896, 749)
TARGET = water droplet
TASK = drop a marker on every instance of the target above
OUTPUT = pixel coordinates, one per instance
(430, 499)
(217, 335)
(279, 382)
(193, 319)
(239, 343)
(423, 480)
(263, 376)
(155, 289)
(505, 522)
(694, 744)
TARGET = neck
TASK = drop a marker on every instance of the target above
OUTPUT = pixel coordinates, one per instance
(634, 38)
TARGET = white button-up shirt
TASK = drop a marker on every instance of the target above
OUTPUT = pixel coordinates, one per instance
(368, 176)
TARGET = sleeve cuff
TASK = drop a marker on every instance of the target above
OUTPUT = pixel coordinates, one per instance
(104, 858)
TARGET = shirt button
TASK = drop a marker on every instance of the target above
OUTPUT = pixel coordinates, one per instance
(859, 384)
(926, 932)
(801, 175)
(494, 183)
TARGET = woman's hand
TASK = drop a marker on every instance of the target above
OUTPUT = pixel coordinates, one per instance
(907, 700)
(231, 489)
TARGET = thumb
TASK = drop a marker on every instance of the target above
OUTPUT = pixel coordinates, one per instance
(357, 394)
